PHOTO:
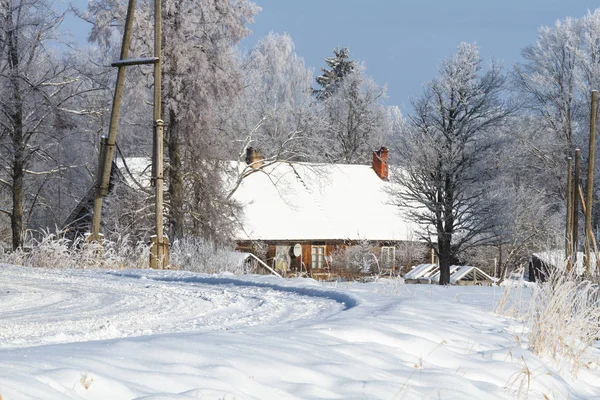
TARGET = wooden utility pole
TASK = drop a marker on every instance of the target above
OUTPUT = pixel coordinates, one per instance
(107, 149)
(590, 180)
(575, 204)
(159, 252)
(569, 226)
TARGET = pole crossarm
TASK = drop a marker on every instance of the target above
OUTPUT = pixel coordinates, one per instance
(134, 61)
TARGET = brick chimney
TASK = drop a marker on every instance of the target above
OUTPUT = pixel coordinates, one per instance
(380, 163)
(254, 158)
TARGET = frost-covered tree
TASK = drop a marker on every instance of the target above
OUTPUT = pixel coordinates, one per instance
(443, 152)
(549, 78)
(37, 87)
(339, 65)
(555, 83)
(274, 113)
(274, 110)
(198, 77)
(352, 120)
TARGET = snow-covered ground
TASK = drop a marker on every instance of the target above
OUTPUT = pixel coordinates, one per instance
(173, 335)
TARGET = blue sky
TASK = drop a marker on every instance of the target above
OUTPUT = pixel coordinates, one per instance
(403, 41)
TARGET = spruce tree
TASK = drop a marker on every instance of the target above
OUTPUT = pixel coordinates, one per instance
(339, 66)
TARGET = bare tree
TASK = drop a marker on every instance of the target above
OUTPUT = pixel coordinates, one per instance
(36, 93)
(442, 155)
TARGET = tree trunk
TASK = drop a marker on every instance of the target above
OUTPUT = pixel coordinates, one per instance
(445, 258)
(18, 172)
(16, 217)
(18, 137)
(176, 189)
(446, 230)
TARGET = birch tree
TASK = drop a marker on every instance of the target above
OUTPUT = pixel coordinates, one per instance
(549, 78)
(442, 156)
(274, 114)
(555, 83)
(277, 97)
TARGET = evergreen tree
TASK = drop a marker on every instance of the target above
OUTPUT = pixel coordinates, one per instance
(339, 66)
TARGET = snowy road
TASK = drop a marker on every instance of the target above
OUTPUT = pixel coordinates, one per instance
(175, 335)
(47, 307)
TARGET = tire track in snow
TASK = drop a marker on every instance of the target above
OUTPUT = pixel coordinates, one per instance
(40, 306)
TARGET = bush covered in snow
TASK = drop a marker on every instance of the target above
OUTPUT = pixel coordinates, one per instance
(358, 259)
(54, 250)
(199, 255)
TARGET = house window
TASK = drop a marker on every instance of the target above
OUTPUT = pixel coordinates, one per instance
(318, 257)
(388, 256)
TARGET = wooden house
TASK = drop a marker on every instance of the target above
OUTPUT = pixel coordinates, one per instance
(298, 216)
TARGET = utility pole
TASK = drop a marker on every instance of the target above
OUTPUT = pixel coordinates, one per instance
(590, 181)
(569, 226)
(159, 252)
(575, 204)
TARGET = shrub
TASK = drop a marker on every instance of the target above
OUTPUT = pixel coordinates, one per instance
(199, 255)
(54, 250)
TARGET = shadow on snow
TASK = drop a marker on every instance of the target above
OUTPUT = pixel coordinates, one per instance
(347, 301)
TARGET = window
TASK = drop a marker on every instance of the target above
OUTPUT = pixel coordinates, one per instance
(318, 257)
(388, 256)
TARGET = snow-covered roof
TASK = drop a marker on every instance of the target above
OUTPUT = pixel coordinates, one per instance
(556, 258)
(436, 277)
(136, 170)
(462, 273)
(308, 201)
(430, 273)
(421, 271)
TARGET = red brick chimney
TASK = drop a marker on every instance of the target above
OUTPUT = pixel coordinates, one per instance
(254, 158)
(380, 163)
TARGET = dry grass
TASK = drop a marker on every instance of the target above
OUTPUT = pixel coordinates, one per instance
(520, 381)
(85, 380)
(562, 316)
(53, 250)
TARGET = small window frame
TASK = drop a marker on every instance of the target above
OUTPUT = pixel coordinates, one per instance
(317, 258)
(385, 259)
